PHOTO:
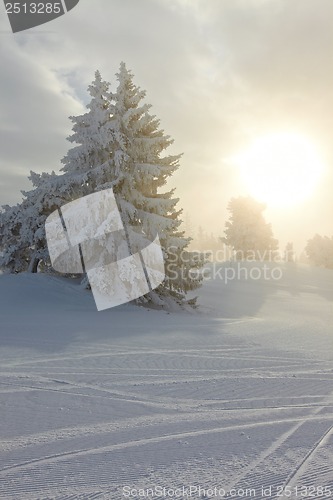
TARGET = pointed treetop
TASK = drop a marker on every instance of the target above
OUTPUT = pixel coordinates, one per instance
(98, 87)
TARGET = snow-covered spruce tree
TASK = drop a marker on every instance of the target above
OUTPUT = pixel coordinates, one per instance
(319, 251)
(118, 145)
(90, 163)
(140, 171)
(22, 227)
(247, 232)
(14, 255)
(121, 146)
(19, 232)
(289, 254)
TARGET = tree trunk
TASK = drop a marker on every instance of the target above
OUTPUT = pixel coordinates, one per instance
(33, 266)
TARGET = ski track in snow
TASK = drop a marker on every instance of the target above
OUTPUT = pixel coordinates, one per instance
(211, 401)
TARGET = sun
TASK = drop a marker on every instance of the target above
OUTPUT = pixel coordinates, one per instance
(281, 169)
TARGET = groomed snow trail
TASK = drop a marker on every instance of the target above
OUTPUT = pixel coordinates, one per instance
(233, 400)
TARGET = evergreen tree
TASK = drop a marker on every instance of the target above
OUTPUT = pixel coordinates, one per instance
(14, 255)
(289, 254)
(246, 231)
(22, 227)
(319, 251)
(118, 145)
(188, 226)
(142, 170)
(90, 163)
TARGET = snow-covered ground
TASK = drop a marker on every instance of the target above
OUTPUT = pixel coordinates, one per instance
(236, 396)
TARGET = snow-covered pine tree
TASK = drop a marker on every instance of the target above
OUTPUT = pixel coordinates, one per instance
(119, 145)
(90, 163)
(319, 251)
(247, 232)
(22, 227)
(14, 255)
(289, 254)
(143, 169)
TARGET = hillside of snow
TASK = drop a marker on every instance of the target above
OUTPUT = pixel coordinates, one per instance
(233, 400)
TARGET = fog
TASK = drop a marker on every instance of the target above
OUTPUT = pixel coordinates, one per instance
(219, 74)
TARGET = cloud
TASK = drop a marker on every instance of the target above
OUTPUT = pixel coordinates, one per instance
(34, 106)
(218, 74)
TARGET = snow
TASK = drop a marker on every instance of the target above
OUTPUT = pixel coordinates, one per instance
(237, 395)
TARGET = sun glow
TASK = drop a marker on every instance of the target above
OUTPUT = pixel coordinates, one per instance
(280, 169)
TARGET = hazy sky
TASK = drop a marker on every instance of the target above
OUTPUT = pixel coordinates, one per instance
(219, 73)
